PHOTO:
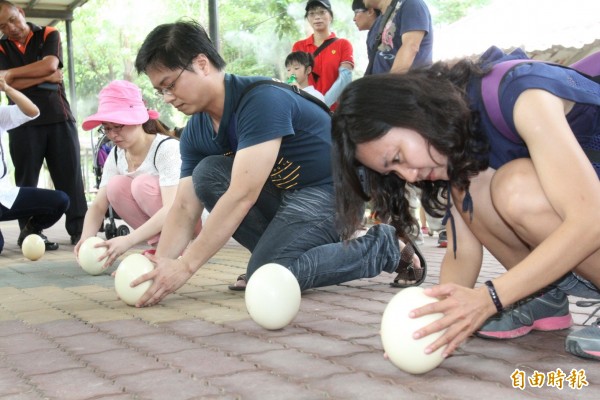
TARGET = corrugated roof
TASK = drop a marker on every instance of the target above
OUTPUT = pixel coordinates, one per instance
(49, 12)
(529, 24)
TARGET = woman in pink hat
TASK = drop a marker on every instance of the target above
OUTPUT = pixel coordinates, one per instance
(140, 174)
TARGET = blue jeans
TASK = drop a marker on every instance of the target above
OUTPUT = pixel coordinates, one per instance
(575, 285)
(295, 228)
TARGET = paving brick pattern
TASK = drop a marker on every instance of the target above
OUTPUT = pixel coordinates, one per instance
(65, 335)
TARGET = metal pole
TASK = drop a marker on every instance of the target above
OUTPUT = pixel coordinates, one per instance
(71, 69)
(213, 23)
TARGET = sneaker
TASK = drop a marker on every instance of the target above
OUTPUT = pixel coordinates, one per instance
(548, 311)
(149, 252)
(443, 239)
(27, 230)
(586, 342)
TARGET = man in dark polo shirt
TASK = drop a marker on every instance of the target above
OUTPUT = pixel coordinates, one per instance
(30, 61)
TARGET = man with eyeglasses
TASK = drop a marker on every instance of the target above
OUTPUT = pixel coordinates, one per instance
(259, 160)
(31, 61)
(334, 57)
(364, 18)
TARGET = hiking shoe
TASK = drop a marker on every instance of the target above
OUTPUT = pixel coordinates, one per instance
(548, 311)
(443, 239)
(586, 342)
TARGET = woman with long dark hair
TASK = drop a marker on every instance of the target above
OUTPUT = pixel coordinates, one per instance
(526, 197)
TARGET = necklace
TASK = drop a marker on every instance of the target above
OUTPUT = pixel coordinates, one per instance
(133, 163)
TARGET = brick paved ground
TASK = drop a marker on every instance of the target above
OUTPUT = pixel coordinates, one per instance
(65, 335)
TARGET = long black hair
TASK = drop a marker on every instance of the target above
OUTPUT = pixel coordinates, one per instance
(432, 102)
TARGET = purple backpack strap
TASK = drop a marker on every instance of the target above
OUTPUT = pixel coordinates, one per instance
(590, 65)
(490, 84)
(491, 99)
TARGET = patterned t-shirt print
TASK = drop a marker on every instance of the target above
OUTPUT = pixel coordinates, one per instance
(285, 174)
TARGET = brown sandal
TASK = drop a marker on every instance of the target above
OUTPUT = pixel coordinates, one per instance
(406, 270)
(235, 286)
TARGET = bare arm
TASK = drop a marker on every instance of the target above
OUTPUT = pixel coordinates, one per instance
(411, 43)
(93, 218)
(462, 269)
(571, 186)
(22, 101)
(42, 68)
(251, 170)
(153, 226)
(24, 83)
(178, 228)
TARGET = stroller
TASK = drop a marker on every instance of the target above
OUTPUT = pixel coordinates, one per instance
(100, 153)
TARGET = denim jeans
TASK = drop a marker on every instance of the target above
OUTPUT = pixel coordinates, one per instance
(575, 285)
(295, 228)
(42, 208)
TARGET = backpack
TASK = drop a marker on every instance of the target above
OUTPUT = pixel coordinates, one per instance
(232, 128)
(392, 7)
(502, 63)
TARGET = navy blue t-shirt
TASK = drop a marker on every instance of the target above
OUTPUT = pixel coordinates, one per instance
(265, 113)
(413, 15)
(584, 118)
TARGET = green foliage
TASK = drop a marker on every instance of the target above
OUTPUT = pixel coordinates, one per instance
(285, 24)
(449, 11)
(254, 38)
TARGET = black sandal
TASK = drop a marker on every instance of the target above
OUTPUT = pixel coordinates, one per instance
(406, 270)
(237, 288)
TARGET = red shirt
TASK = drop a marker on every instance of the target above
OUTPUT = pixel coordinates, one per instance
(328, 62)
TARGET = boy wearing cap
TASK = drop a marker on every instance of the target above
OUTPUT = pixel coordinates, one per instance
(334, 57)
(141, 172)
(260, 162)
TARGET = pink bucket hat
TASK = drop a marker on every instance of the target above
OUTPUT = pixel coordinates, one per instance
(120, 102)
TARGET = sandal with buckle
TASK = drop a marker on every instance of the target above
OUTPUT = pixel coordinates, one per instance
(406, 269)
(236, 287)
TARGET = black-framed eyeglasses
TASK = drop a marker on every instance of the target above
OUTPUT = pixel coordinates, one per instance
(104, 130)
(319, 13)
(359, 10)
(168, 90)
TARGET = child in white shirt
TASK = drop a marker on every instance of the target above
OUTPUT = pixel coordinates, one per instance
(301, 64)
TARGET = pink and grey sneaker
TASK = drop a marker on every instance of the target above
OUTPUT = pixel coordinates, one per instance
(548, 311)
(443, 239)
(586, 342)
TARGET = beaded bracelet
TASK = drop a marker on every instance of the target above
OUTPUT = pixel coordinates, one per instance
(494, 296)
